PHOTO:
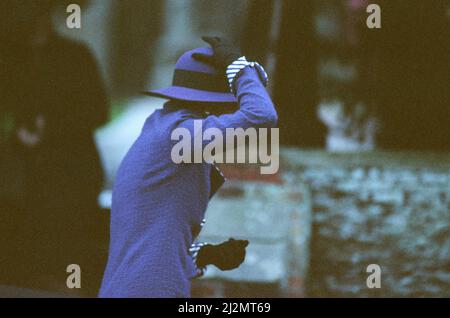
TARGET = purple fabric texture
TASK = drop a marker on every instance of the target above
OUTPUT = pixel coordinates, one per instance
(158, 206)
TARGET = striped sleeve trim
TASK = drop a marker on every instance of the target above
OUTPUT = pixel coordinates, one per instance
(237, 66)
(193, 250)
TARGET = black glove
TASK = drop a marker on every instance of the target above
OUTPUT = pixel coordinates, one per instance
(224, 53)
(226, 256)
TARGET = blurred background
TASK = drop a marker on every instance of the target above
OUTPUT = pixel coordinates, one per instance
(364, 123)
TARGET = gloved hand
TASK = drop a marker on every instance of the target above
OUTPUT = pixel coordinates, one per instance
(225, 53)
(226, 256)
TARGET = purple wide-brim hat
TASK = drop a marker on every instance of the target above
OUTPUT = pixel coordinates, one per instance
(196, 82)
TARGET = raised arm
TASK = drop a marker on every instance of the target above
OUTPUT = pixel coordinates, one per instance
(247, 81)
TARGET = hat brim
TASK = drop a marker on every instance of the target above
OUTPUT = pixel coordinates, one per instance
(192, 95)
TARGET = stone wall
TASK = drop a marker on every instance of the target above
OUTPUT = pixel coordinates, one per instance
(376, 208)
(389, 209)
(275, 217)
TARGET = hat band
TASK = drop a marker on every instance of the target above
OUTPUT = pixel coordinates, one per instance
(200, 81)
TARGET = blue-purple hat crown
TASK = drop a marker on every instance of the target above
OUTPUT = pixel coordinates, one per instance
(196, 81)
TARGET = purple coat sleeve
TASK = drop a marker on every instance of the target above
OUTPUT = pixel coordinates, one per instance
(255, 107)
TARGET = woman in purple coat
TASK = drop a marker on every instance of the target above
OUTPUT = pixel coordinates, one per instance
(158, 206)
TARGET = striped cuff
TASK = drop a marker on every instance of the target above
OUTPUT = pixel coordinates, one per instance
(193, 250)
(237, 66)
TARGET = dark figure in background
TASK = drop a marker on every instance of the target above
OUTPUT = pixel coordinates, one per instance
(255, 38)
(295, 80)
(403, 71)
(414, 85)
(53, 88)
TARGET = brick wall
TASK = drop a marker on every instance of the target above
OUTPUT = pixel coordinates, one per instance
(376, 208)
